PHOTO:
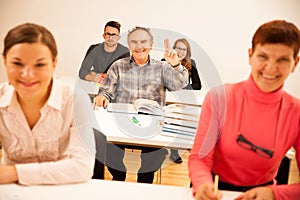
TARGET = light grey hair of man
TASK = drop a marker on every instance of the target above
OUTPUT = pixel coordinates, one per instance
(140, 28)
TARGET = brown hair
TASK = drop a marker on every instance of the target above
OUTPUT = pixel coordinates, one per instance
(278, 31)
(186, 61)
(30, 33)
(114, 24)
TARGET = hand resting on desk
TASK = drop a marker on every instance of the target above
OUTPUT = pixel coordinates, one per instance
(206, 192)
(101, 101)
(257, 193)
(8, 174)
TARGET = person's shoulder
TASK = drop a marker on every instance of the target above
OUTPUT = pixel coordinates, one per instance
(66, 89)
(67, 97)
(193, 63)
(292, 99)
(227, 88)
(93, 46)
(235, 85)
(125, 60)
(121, 62)
(234, 89)
(4, 87)
(122, 47)
(69, 91)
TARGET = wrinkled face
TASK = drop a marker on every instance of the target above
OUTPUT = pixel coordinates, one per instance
(140, 45)
(271, 64)
(30, 68)
(181, 50)
(111, 36)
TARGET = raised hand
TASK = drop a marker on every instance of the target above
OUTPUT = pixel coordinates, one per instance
(170, 54)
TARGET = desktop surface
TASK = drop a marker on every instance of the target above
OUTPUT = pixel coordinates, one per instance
(120, 129)
(101, 189)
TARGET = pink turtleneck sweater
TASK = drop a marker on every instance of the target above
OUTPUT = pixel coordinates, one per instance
(269, 120)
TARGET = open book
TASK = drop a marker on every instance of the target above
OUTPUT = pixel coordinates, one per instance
(143, 106)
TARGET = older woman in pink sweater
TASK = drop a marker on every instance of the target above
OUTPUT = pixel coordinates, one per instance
(245, 129)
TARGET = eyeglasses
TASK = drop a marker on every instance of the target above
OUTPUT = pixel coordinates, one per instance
(243, 142)
(181, 49)
(113, 35)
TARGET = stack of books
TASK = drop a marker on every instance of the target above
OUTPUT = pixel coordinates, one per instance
(181, 121)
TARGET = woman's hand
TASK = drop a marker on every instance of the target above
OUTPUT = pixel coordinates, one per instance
(206, 192)
(259, 193)
(8, 174)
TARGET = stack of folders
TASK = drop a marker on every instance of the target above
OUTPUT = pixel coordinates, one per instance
(181, 121)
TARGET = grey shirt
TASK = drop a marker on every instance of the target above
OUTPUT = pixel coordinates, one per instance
(98, 60)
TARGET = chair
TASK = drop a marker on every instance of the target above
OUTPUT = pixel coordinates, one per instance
(283, 171)
(100, 159)
(158, 176)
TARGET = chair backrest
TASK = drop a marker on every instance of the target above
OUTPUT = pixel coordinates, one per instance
(100, 160)
(100, 140)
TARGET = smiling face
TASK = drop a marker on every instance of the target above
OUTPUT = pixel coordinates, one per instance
(30, 68)
(111, 36)
(140, 45)
(271, 64)
(181, 50)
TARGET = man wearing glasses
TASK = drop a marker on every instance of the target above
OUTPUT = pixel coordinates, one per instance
(140, 76)
(97, 60)
(100, 56)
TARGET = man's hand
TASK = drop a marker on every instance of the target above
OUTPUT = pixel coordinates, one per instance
(170, 54)
(101, 101)
(95, 77)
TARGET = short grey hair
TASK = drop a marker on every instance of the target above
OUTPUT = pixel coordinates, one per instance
(140, 28)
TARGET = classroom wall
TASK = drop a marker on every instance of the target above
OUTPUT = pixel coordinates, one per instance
(221, 29)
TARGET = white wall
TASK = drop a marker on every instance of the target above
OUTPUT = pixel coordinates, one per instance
(222, 28)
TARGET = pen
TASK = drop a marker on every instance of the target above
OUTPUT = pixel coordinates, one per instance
(216, 182)
(135, 121)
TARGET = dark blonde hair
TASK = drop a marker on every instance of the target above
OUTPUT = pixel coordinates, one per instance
(186, 61)
(30, 33)
(280, 32)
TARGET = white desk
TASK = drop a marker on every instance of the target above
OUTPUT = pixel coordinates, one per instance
(119, 129)
(100, 189)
